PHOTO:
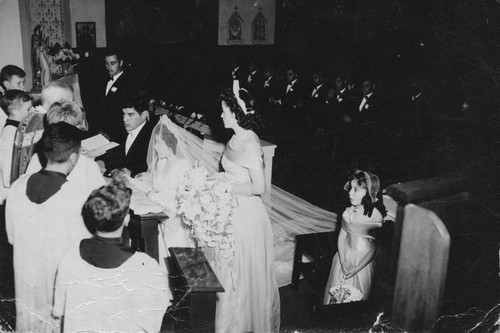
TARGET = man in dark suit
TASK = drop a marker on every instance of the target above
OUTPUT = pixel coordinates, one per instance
(130, 156)
(369, 106)
(117, 90)
(254, 80)
(315, 101)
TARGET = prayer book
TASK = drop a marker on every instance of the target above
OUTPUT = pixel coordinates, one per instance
(97, 145)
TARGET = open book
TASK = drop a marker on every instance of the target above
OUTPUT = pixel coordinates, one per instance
(97, 145)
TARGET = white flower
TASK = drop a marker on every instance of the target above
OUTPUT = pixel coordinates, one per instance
(367, 106)
(114, 89)
(340, 99)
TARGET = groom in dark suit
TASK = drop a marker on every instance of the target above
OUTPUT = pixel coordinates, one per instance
(116, 90)
(130, 156)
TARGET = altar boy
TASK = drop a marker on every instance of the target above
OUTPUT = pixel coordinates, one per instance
(102, 284)
(43, 219)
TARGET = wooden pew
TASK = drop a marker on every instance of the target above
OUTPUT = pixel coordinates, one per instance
(419, 191)
(422, 267)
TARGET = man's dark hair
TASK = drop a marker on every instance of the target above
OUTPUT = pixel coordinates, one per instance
(12, 99)
(137, 102)
(59, 141)
(107, 207)
(114, 52)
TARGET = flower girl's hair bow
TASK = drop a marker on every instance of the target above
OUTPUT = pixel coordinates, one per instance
(241, 103)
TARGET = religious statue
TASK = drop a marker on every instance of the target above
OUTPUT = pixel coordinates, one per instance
(39, 58)
(235, 27)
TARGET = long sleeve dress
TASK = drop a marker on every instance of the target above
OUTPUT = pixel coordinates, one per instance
(250, 302)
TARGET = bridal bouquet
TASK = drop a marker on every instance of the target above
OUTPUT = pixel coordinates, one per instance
(205, 205)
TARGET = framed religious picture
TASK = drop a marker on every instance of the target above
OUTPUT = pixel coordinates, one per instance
(85, 35)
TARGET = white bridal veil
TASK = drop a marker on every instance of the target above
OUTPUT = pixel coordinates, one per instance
(171, 152)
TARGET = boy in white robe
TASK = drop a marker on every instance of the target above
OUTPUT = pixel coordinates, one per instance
(43, 219)
(86, 175)
(103, 285)
(17, 104)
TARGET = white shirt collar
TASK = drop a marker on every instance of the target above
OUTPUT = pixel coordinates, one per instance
(115, 77)
(292, 83)
(136, 131)
(368, 95)
(343, 90)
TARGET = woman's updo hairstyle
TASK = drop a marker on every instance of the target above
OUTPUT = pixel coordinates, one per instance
(251, 120)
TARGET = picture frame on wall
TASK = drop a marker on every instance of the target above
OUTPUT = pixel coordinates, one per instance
(85, 35)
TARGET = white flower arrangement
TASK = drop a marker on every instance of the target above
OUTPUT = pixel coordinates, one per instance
(65, 55)
(205, 206)
(344, 294)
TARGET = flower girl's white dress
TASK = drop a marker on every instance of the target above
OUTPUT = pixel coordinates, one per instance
(250, 302)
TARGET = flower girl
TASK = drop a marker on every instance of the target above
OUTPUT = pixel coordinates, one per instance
(352, 267)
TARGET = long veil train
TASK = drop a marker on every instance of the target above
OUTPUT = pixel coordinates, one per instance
(172, 150)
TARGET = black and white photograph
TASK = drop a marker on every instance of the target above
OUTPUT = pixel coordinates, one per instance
(237, 166)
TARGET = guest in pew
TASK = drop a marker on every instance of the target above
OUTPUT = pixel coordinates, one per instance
(104, 285)
(17, 104)
(30, 131)
(130, 156)
(352, 266)
(86, 175)
(11, 77)
(43, 219)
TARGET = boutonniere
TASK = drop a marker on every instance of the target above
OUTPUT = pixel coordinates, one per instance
(114, 89)
(367, 106)
(291, 89)
(315, 95)
(340, 99)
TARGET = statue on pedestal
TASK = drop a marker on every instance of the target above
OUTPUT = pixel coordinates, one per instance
(39, 58)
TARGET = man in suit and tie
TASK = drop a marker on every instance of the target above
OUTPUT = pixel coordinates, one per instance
(368, 108)
(254, 79)
(117, 89)
(130, 156)
(316, 99)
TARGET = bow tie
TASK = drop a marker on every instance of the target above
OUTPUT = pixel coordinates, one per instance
(111, 79)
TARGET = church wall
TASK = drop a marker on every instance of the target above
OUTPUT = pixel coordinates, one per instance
(11, 50)
(89, 11)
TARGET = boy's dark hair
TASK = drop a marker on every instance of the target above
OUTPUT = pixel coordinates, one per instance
(12, 98)
(59, 141)
(107, 207)
(8, 71)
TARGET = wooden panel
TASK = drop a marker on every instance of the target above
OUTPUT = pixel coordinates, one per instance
(422, 267)
(427, 189)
